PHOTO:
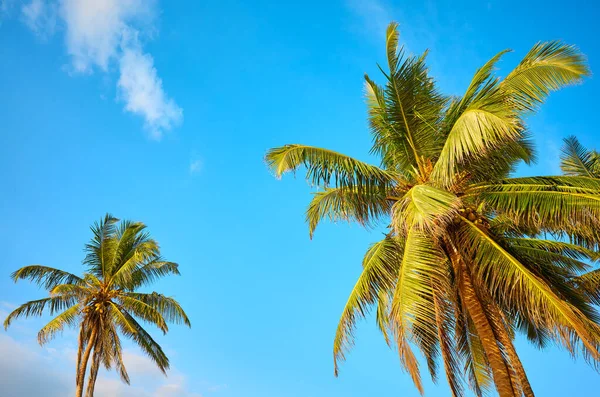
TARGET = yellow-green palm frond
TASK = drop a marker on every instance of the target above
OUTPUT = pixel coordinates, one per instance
(133, 330)
(36, 308)
(380, 267)
(325, 167)
(478, 124)
(68, 318)
(576, 160)
(143, 311)
(148, 273)
(405, 115)
(426, 208)
(589, 284)
(412, 300)
(551, 203)
(507, 279)
(547, 67)
(46, 277)
(168, 307)
(365, 205)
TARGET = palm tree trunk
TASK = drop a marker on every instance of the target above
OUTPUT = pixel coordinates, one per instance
(93, 372)
(79, 353)
(83, 365)
(509, 347)
(500, 370)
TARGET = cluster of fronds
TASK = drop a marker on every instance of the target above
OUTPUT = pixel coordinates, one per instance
(472, 255)
(103, 303)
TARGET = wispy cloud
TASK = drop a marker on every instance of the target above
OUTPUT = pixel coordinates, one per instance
(102, 33)
(195, 165)
(40, 17)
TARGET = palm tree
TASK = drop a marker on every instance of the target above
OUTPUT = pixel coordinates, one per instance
(120, 259)
(471, 254)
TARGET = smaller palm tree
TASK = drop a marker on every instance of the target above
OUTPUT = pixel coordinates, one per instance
(120, 259)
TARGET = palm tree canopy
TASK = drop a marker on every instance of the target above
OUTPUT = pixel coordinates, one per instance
(120, 258)
(463, 265)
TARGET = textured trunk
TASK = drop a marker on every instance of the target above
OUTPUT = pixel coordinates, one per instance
(83, 365)
(78, 380)
(93, 371)
(500, 371)
(505, 339)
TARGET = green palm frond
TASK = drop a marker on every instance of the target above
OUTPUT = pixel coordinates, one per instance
(547, 67)
(576, 160)
(131, 328)
(514, 282)
(414, 107)
(143, 311)
(67, 318)
(589, 283)
(166, 306)
(325, 167)
(412, 303)
(363, 205)
(380, 267)
(44, 276)
(149, 273)
(425, 208)
(479, 123)
(36, 308)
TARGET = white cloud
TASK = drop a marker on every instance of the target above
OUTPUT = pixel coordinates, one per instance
(100, 34)
(141, 90)
(40, 17)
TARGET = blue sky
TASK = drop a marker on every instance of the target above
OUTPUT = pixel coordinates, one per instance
(162, 112)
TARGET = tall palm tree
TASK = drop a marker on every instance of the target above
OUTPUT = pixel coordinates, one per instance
(471, 254)
(120, 259)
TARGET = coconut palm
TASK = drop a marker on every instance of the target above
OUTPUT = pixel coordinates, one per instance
(471, 255)
(103, 303)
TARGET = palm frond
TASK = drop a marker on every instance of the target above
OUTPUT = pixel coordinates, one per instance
(425, 208)
(168, 307)
(507, 279)
(36, 307)
(67, 318)
(325, 167)
(380, 267)
(363, 205)
(547, 67)
(576, 160)
(47, 277)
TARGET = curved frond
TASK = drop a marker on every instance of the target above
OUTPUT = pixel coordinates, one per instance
(425, 208)
(143, 311)
(168, 307)
(576, 160)
(67, 318)
(147, 274)
(363, 205)
(325, 167)
(36, 307)
(380, 267)
(508, 278)
(47, 277)
(547, 67)
(412, 303)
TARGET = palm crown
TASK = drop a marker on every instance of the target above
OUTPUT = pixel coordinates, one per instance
(463, 265)
(120, 259)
